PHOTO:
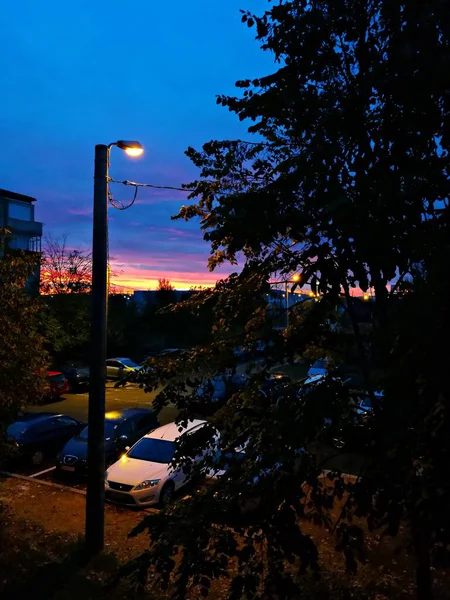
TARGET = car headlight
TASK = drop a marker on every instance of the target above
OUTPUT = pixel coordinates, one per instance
(148, 483)
(106, 476)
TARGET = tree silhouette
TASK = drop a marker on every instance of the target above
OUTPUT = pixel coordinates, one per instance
(347, 184)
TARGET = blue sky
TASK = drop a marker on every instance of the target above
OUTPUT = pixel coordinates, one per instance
(75, 74)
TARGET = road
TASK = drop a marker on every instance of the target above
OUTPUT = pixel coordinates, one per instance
(76, 405)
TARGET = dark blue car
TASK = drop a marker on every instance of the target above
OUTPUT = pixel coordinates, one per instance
(37, 435)
(122, 428)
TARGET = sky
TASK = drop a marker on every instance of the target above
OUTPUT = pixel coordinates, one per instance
(77, 74)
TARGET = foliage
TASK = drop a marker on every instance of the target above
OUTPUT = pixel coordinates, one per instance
(67, 319)
(64, 270)
(165, 291)
(346, 183)
(165, 285)
(23, 360)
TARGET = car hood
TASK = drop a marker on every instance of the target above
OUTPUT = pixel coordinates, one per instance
(133, 471)
(79, 447)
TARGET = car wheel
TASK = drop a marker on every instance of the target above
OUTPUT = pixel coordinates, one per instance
(37, 458)
(166, 494)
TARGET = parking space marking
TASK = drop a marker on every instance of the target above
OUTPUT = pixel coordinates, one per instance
(43, 472)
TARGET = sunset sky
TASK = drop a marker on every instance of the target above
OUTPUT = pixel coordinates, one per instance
(75, 74)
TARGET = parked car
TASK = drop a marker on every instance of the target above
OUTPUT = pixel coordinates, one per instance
(144, 476)
(78, 377)
(171, 352)
(353, 436)
(122, 429)
(117, 368)
(319, 367)
(216, 390)
(276, 386)
(36, 435)
(58, 384)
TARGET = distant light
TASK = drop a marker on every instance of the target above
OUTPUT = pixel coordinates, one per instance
(366, 297)
(311, 294)
(296, 277)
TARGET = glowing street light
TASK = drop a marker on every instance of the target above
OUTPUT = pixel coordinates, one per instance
(95, 493)
(132, 148)
(296, 278)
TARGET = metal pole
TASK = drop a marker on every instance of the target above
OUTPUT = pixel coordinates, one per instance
(95, 495)
(287, 303)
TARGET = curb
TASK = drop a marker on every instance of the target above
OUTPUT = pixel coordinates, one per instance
(47, 483)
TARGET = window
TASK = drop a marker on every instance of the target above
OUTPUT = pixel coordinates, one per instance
(59, 378)
(128, 363)
(147, 422)
(19, 242)
(158, 451)
(110, 431)
(65, 422)
(20, 210)
(126, 428)
(44, 427)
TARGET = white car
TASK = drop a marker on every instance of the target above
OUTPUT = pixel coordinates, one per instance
(143, 476)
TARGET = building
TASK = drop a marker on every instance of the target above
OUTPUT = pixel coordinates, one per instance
(17, 216)
(143, 298)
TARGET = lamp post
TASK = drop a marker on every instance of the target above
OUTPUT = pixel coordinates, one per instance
(295, 279)
(95, 494)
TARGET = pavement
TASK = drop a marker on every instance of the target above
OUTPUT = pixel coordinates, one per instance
(130, 396)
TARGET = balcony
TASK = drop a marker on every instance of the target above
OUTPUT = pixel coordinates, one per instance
(19, 226)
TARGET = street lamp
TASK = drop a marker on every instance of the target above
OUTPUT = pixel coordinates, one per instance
(129, 147)
(295, 279)
(95, 493)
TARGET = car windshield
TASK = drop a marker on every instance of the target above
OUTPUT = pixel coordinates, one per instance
(220, 458)
(58, 378)
(110, 429)
(16, 430)
(153, 450)
(366, 403)
(320, 364)
(128, 363)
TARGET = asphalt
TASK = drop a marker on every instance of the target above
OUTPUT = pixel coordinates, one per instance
(130, 396)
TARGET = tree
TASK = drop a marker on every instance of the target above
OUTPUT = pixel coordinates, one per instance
(65, 270)
(23, 360)
(347, 183)
(165, 292)
(165, 285)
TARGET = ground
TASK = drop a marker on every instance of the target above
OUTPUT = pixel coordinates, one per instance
(76, 405)
(42, 524)
(40, 552)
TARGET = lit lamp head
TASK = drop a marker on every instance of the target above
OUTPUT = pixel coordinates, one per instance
(131, 148)
(296, 277)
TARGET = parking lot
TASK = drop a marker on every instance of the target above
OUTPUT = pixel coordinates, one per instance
(76, 405)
